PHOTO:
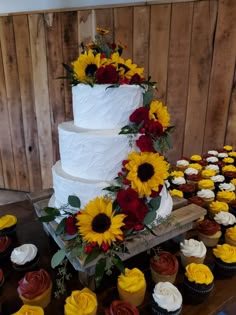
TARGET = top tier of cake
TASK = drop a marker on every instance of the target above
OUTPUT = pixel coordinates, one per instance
(104, 107)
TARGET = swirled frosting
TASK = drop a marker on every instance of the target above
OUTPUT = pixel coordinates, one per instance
(7, 221)
(228, 160)
(222, 155)
(229, 168)
(225, 218)
(231, 233)
(167, 296)
(196, 158)
(227, 186)
(178, 180)
(177, 174)
(207, 173)
(217, 206)
(30, 310)
(118, 307)
(165, 263)
(228, 147)
(176, 193)
(206, 193)
(208, 227)
(232, 154)
(82, 302)
(226, 196)
(5, 242)
(132, 280)
(34, 283)
(206, 184)
(199, 273)
(212, 167)
(226, 253)
(196, 166)
(218, 178)
(213, 152)
(23, 254)
(193, 247)
(183, 163)
(191, 171)
(212, 159)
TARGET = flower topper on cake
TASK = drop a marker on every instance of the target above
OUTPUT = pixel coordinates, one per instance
(101, 63)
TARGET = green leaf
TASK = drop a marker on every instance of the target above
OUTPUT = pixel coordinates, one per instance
(51, 211)
(155, 202)
(68, 237)
(74, 201)
(147, 97)
(112, 188)
(149, 218)
(92, 255)
(57, 258)
(118, 263)
(47, 218)
(61, 227)
(99, 271)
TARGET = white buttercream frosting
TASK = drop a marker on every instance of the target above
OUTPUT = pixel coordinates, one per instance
(222, 155)
(213, 152)
(193, 247)
(182, 163)
(212, 167)
(191, 171)
(178, 180)
(227, 186)
(212, 159)
(23, 254)
(167, 296)
(206, 193)
(218, 178)
(225, 218)
(101, 107)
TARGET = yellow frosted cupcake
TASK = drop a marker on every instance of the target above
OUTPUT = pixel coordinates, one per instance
(216, 207)
(132, 286)
(7, 224)
(225, 260)
(82, 302)
(206, 184)
(230, 236)
(225, 196)
(195, 158)
(208, 173)
(197, 166)
(30, 310)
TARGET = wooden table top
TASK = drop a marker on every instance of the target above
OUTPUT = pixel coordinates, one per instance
(222, 298)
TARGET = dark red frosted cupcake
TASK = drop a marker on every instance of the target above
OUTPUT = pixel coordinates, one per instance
(188, 190)
(121, 307)
(209, 232)
(197, 201)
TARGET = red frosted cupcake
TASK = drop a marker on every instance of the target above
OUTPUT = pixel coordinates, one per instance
(209, 232)
(164, 267)
(35, 288)
(121, 307)
(197, 201)
(188, 190)
(5, 249)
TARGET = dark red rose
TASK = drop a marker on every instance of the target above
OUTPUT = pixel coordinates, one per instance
(121, 308)
(88, 249)
(71, 228)
(105, 247)
(154, 193)
(107, 75)
(124, 81)
(155, 128)
(136, 79)
(144, 143)
(133, 207)
(139, 115)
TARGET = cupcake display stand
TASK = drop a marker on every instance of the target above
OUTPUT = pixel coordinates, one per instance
(181, 220)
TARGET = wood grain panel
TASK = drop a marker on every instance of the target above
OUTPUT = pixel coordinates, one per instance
(231, 126)
(14, 102)
(8, 180)
(104, 19)
(86, 27)
(141, 37)
(178, 72)
(55, 85)
(29, 125)
(221, 76)
(40, 81)
(123, 30)
(200, 67)
(159, 47)
(70, 48)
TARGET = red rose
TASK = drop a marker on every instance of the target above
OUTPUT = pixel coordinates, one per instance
(155, 128)
(154, 193)
(144, 143)
(136, 79)
(106, 75)
(124, 81)
(71, 228)
(88, 249)
(139, 115)
(121, 307)
(105, 247)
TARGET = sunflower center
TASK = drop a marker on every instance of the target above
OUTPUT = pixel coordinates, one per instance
(145, 172)
(90, 70)
(101, 223)
(155, 115)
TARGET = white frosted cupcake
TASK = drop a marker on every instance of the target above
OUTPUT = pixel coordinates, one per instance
(207, 195)
(182, 164)
(227, 186)
(166, 299)
(192, 251)
(213, 167)
(213, 152)
(212, 159)
(225, 219)
(24, 257)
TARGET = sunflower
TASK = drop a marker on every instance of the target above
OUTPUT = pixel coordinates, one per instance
(86, 65)
(158, 111)
(146, 171)
(97, 222)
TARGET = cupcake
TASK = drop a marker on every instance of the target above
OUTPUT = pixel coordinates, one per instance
(230, 236)
(216, 207)
(212, 152)
(208, 173)
(198, 283)
(229, 175)
(227, 187)
(217, 179)
(35, 288)
(131, 286)
(121, 307)
(206, 184)
(197, 166)
(7, 224)
(212, 159)
(177, 181)
(81, 302)
(30, 310)
(5, 249)
(232, 207)
(207, 195)
(197, 201)
(166, 299)
(225, 260)
(24, 257)
(192, 251)
(1, 278)
(225, 219)
(182, 164)
(228, 160)
(225, 196)
(209, 232)
(188, 190)
(213, 167)
(193, 179)
(228, 148)
(195, 158)
(222, 155)
(164, 267)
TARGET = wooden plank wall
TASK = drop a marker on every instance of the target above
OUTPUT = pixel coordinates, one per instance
(189, 48)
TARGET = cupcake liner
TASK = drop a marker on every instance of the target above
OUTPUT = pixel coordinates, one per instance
(11, 231)
(42, 300)
(210, 241)
(229, 241)
(188, 260)
(27, 266)
(158, 277)
(136, 298)
(223, 269)
(157, 310)
(196, 294)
